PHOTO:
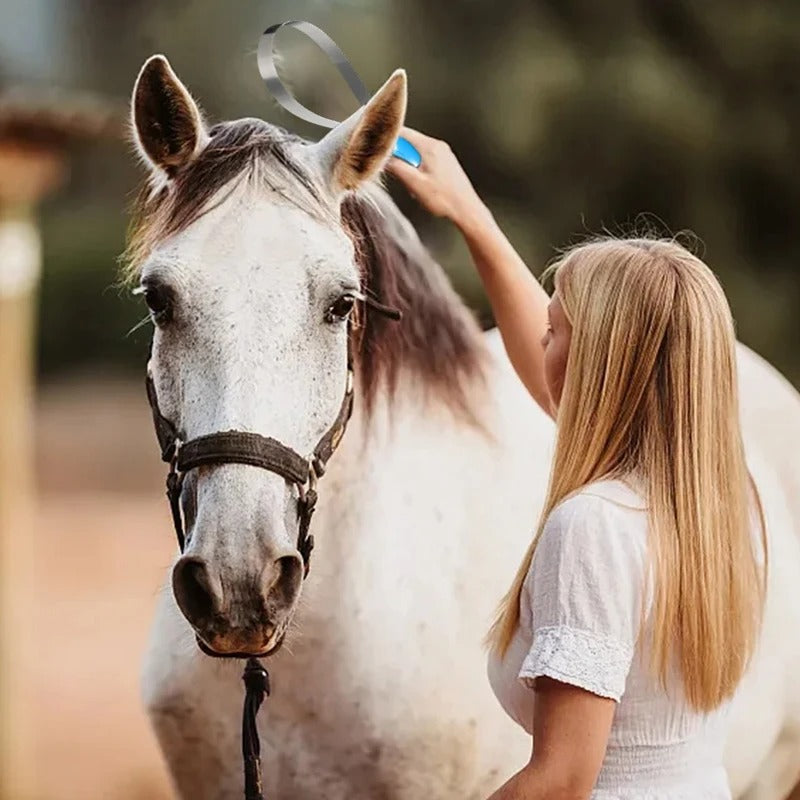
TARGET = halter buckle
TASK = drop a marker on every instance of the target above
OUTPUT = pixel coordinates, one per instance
(309, 488)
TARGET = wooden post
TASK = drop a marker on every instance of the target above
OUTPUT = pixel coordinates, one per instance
(35, 134)
(19, 271)
(26, 175)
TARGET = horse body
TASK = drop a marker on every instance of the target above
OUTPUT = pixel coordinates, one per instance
(425, 509)
(763, 750)
(383, 691)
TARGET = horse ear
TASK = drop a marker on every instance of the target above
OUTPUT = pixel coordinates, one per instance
(358, 148)
(167, 124)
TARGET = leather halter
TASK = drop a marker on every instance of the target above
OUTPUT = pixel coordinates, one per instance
(242, 447)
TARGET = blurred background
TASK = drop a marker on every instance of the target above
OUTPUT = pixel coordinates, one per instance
(572, 117)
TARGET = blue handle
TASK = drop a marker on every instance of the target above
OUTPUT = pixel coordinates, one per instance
(407, 152)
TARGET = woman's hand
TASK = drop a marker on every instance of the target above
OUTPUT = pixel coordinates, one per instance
(439, 183)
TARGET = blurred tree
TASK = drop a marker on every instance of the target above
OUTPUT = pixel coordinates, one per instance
(571, 118)
(574, 117)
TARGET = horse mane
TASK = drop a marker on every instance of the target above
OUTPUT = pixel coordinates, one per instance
(438, 340)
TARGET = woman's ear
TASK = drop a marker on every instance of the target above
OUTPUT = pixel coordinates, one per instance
(167, 124)
(358, 148)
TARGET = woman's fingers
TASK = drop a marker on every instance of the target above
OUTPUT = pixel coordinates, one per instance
(409, 175)
(419, 185)
(429, 148)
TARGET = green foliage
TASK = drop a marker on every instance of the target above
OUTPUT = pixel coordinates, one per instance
(571, 116)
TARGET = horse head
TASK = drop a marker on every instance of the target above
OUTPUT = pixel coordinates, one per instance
(250, 280)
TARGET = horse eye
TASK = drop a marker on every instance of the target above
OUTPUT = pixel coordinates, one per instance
(159, 301)
(340, 309)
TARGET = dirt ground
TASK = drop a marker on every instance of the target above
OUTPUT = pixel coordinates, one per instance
(100, 559)
(103, 542)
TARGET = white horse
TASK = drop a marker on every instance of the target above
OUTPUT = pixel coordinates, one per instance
(245, 241)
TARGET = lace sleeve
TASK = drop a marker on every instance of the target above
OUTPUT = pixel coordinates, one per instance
(582, 596)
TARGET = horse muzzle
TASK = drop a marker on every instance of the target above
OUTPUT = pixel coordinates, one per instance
(241, 616)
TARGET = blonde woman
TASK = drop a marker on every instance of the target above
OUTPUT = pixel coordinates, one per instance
(637, 606)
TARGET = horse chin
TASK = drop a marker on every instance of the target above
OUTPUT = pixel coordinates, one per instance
(272, 647)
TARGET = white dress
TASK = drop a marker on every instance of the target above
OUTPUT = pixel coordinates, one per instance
(579, 614)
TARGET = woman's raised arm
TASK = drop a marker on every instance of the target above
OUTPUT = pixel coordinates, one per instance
(518, 300)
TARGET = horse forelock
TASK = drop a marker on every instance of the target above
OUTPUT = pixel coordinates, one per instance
(438, 340)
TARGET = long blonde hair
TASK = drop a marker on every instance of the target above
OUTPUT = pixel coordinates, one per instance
(651, 388)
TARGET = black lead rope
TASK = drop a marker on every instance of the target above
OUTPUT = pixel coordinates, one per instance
(256, 681)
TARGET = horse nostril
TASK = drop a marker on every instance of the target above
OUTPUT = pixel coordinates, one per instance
(197, 589)
(287, 577)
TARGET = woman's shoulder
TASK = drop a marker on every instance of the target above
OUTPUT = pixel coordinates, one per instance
(589, 563)
(599, 495)
(601, 524)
